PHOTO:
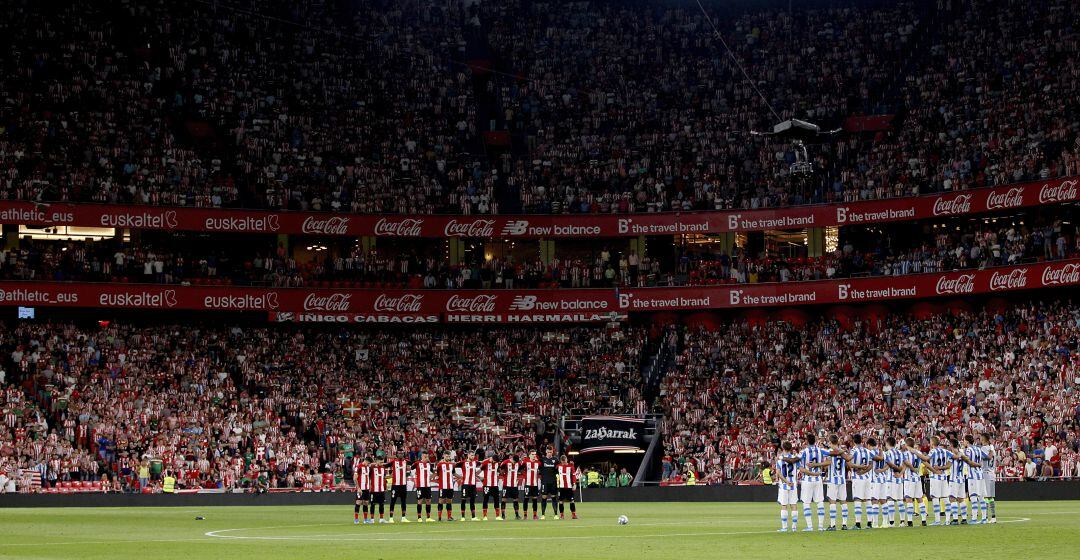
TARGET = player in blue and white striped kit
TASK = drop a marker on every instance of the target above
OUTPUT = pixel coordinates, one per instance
(786, 473)
(862, 473)
(957, 482)
(939, 463)
(913, 490)
(974, 455)
(836, 485)
(877, 484)
(812, 460)
(894, 461)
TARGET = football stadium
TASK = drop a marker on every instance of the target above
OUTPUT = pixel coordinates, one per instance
(587, 279)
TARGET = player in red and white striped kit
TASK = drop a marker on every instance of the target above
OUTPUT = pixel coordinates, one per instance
(511, 481)
(399, 472)
(422, 474)
(489, 468)
(470, 470)
(362, 479)
(377, 473)
(566, 480)
(444, 472)
(530, 470)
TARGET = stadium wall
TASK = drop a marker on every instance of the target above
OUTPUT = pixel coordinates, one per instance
(1058, 490)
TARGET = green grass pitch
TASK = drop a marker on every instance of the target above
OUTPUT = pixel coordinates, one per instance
(656, 530)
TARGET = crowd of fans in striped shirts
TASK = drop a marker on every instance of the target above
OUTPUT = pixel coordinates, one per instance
(608, 106)
(217, 406)
(738, 390)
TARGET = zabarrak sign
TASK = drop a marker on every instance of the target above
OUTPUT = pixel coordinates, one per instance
(531, 306)
(541, 226)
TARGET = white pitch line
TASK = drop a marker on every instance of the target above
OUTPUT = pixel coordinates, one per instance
(323, 538)
(224, 538)
(62, 543)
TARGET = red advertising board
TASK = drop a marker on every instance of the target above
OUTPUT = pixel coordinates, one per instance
(530, 306)
(541, 226)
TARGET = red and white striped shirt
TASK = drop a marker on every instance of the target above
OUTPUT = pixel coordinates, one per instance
(445, 471)
(469, 470)
(378, 478)
(400, 471)
(490, 469)
(531, 471)
(510, 474)
(360, 472)
(564, 477)
(422, 475)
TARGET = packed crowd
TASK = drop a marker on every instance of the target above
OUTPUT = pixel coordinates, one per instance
(610, 106)
(225, 407)
(980, 247)
(1015, 375)
(220, 407)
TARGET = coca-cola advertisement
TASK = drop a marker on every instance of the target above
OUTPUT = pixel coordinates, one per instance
(531, 306)
(1051, 191)
(473, 228)
(951, 205)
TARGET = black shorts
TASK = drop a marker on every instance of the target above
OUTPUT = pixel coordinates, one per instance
(491, 491)
(364, 495)
(468, 492)
(510, 493)
(423, 494)
(396, 491)
(566, 494)
(547, 488)
(532, 491)
(446, 494)
(378, 497)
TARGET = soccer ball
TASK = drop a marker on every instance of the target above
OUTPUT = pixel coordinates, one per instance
(623, 520)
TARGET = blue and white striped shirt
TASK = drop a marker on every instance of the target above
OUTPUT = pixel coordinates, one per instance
(896, 457)
(812, 454)
(912, 474)
(939, 459)
(860, 457)
(974, 454)
(957, 473)
(879, 463)
(838, 470)
(786, 470)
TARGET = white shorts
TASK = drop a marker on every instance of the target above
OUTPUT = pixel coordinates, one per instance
(812, 492)
(956, 490)
(939, 488)
(990, 486)
(975, 487)
(895, 490)
(860, 489)
(787, 497)
(880, 490)
(913, 489)
(836, 492)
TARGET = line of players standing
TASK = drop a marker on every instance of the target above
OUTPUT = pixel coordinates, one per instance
(888, 481)
(513, 479)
